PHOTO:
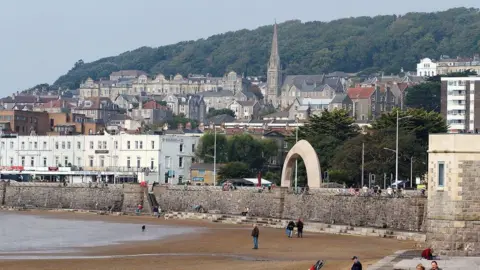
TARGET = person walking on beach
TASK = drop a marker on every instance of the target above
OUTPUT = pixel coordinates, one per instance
(356, 264)
(300, 228)
(255, 233)
(290, 227)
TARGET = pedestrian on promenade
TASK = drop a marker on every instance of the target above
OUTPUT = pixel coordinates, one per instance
(300, 228)
(356, 264)
(255, 234)
(420, 267)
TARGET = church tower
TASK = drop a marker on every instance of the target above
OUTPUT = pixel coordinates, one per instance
(273, 72)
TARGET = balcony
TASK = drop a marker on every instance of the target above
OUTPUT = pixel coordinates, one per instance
(121, 169)
(455, 97)
(458, 116)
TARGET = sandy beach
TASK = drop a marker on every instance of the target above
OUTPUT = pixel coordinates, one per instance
(217, 246)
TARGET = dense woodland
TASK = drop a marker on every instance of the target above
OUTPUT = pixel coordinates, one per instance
(368, 44)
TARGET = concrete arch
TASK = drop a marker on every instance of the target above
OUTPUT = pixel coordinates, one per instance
(304, 150)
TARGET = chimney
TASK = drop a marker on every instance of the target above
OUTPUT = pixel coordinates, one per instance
(188, 126)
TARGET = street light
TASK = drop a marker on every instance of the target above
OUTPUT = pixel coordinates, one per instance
(396, 149)
(214, 155)
(411, 166)
(296, 160)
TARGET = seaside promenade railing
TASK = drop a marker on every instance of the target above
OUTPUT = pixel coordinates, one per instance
(311, 191)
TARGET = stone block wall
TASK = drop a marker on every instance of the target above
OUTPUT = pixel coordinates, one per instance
(76, 196)
(453, 226)
(321, 206)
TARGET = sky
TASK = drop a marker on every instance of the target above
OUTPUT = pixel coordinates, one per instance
(41, 40)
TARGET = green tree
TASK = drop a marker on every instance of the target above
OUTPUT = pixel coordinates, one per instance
(205, 149)
(424, 96)
(212, 112)
(181, 119)
(234, 170)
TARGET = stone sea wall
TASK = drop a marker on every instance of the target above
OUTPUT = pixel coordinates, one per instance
(326, 206)
(73, 196)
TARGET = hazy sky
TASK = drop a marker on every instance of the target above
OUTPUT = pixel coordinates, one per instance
(41, 40)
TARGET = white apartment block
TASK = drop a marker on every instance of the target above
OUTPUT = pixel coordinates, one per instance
(123, 153)
(460, 103)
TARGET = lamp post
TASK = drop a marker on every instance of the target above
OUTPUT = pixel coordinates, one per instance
(296, 160)
(396, 148)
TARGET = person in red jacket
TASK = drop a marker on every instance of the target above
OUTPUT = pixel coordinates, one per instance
(427, 254)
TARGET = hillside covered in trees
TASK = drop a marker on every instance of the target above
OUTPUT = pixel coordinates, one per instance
(369, 44)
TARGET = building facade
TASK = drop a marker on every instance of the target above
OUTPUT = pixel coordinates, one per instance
(426, 68)
(460, 103)
(160, 154)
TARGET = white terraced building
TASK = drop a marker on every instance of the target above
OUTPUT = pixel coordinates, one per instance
(123, 154)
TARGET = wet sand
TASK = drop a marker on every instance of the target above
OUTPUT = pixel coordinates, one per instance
(219, 246)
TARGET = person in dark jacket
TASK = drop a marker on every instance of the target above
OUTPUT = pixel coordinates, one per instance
(356, 264)
(300, 228)
(290, 227)
(255, 233)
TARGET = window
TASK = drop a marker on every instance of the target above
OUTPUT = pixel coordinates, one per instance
(116, 145)
(141, 145)
(152, 164)
(11, 145)
(104, 144)
(79, 161)
(181, 147)
(23, 161)
(180, 162)
(56, 145)
(193, 147)
(44, 162)
(136, 144)
(30, 145)
(102, 161)
(139, 160)
(3, 145)
(90, 161)
(44, 145)
(35, 145)
(11, 161)
(32, 161)
(128, 162)
(69, 145)
(99, 145)
(153, 144)
(91, 145)
(128, 144)
(23, 146)
(441, 174)
(66, 161)
(79, 146)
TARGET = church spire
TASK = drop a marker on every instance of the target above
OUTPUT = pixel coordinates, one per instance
(274, 76)
(274, 62)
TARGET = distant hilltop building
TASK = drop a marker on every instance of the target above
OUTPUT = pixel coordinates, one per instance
(429, 67)
(135, 82)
